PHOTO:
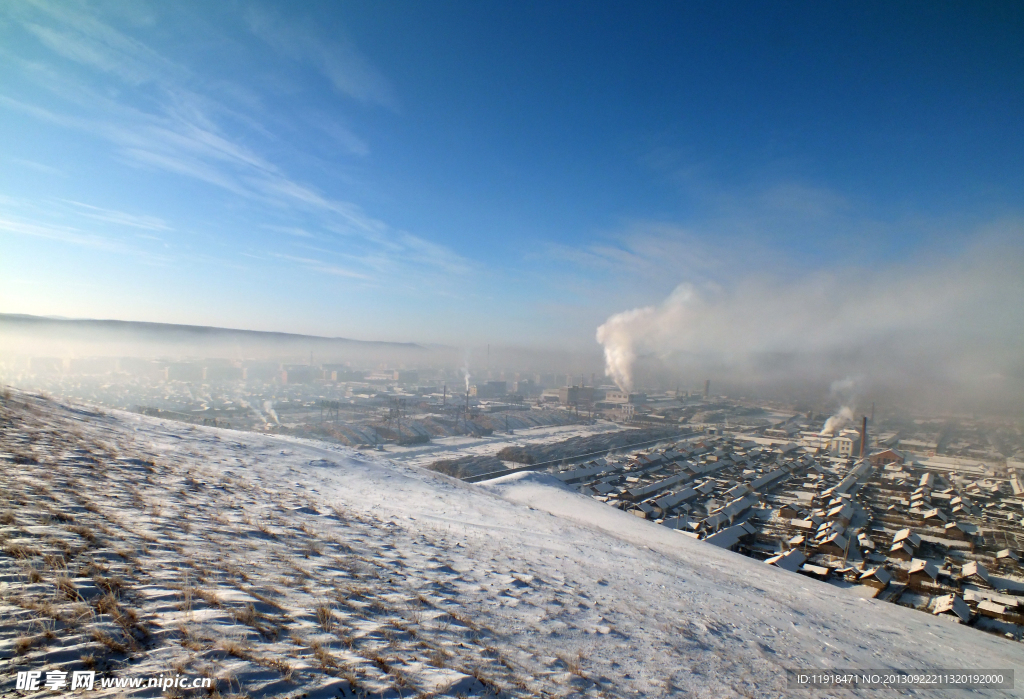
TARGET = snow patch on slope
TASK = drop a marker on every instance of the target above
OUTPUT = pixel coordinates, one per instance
(572, 597)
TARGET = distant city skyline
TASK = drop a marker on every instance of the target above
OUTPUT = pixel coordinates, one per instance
(507, 173)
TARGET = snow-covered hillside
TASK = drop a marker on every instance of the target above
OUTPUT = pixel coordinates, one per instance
(279, 567)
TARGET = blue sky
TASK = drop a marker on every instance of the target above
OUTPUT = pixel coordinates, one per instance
(489, 172)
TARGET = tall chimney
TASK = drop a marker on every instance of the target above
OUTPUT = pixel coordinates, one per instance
(863, 435)
(707, 387)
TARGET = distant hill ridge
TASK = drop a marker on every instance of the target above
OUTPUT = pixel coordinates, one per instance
(172, 332)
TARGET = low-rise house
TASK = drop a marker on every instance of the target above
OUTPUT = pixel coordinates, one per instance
(877, 578)
(835, 545)
(935, 514)
(730, 537)
(992, 609)
(885, 457)
(954, 606)
(975, 595)
(906, 535)
(975, 573)
(922, 574)
(841, 513)
(791, 512)
(677, 522)
(814, 571)
(790, 560)
(1007, 555)
(953, 530)
(827, 529)
(901, 551)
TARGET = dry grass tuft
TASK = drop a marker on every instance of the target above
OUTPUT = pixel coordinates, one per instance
(323, 656)
(66, 588)
(574, 663)
(23, 644)
(263, 598)
(33, 574)
(208, 596)
(20, 551)
(55, 563)
(237, 650)
(84, 532)
(109, 641)
(264, 527)
(189, 638)
(112, 585)
(438, 658)
(325, 615)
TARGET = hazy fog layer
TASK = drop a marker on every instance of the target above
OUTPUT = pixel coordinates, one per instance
(945, 326)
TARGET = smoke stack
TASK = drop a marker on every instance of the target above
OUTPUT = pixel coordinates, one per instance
(863, 435)
(707, 387)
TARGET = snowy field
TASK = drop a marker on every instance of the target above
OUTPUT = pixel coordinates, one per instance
(460, 446)
(286, 568)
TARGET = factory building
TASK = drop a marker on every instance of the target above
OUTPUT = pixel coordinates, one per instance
(576, 395)
(299, 373)
(489, 389)
(526, 387)
(623, 397)
(846, 443)
(342, 372)
(406, 376)
(261, 370)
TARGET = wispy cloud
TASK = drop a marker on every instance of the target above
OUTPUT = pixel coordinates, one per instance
(324, 267)
(150, 223)
(657, 253)
(80, 37)
(76, 236)
(339, 61)
(289, 230)
(159, 116)
(39, 167)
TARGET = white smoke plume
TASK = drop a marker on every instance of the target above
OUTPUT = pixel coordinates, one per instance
(268, 406)
(838, 421)
(256, 411)
(955, 324)
(466, 375)
(844, 391)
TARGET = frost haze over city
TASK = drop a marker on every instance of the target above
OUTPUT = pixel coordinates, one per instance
(584, 349)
